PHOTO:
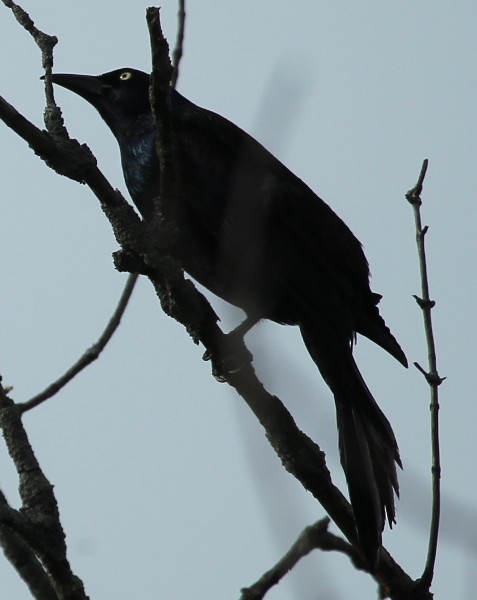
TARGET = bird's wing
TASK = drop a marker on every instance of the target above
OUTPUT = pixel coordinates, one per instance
(259, 188)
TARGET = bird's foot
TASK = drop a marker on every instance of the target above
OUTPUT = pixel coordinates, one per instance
(229, 356)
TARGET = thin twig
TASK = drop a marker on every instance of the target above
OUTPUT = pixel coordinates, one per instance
(45, 43)
(313, 537)
(432, 377)
(90, 355)
(179, 46)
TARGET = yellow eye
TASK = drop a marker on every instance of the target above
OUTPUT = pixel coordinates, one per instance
(125, 76)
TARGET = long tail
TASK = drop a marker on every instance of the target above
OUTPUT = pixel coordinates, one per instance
(368, 449)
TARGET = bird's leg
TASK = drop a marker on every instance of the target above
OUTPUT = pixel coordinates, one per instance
(244, 327)
(230, 354)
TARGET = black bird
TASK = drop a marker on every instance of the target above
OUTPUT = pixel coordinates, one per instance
(254, 234)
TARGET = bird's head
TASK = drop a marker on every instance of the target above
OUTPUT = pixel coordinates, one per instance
(118, 96)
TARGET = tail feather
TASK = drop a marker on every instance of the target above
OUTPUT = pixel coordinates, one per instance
(363, 491)
(368, 449)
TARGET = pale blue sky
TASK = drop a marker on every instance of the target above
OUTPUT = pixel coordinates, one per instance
(166, 485)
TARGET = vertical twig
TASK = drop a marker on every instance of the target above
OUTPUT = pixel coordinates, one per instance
(164, 77)
(162, 225)
(432, 377)
(179, 47)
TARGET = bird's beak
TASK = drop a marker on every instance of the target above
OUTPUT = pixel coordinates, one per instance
(89, 87)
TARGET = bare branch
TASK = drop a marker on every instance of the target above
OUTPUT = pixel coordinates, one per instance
(45, 42)
(91, 353)
(311, 538)
(38, 522)
(162, 226)
(36, 492)
(432, 377)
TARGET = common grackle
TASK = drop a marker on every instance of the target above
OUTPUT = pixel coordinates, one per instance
(254, 234)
